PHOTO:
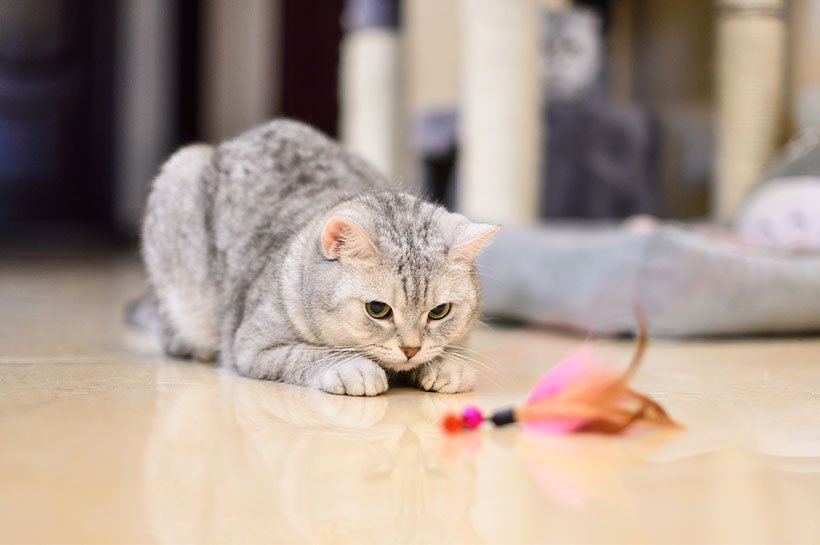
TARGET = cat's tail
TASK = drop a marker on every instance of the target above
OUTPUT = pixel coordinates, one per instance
(143, 313)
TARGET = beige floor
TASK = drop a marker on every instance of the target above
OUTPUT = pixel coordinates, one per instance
(103, 441)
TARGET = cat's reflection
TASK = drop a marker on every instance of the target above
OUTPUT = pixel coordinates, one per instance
(237, 460)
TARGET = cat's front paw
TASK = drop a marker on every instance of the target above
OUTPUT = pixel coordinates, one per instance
(447, 377)
(357, 377)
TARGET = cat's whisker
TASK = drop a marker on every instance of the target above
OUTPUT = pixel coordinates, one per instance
(490, 276)
(481, 266)
(329, 357)
(485, 370)
(467, 348)
(337, 352)
(474, 351)
(429, 364)
(485, 324)
(466, 358)
(477, 353)
(477, 364)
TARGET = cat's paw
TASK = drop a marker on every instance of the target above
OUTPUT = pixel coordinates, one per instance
(175, 346)
(357, 377)
(447, 377)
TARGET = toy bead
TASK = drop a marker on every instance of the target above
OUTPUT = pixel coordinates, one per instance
(576, 395)
(451, 423)
(472, 417)
(503, 417)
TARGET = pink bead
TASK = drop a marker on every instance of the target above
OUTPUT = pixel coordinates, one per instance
(472, 417)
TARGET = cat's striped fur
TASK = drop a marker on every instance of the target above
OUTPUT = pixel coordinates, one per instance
(263, 251)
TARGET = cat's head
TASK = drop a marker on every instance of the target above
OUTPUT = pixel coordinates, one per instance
(396, 278)
(572, 60)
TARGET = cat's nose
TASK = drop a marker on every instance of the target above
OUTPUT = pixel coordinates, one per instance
(410, 351)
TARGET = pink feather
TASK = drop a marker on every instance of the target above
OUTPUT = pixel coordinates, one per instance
(577, 371)
(580, 394)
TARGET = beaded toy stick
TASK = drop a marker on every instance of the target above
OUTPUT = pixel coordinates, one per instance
(576, 395)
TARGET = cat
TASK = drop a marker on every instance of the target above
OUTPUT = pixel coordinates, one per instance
(571, 57)
(290, 259)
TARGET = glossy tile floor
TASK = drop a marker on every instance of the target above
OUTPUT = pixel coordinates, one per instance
(104, 441)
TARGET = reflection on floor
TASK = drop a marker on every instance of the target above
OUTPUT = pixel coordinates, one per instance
(105, 441)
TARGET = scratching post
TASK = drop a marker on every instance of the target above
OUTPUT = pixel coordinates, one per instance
(370, 91)
(750, 93)
(805, 63)
(500, 125)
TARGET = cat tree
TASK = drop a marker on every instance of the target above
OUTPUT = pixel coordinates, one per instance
(688, 281)
(500, 110)
(750, 76)
(370, 83)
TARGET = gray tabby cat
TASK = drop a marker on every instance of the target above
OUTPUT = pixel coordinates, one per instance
(290, 259)
(572, 59)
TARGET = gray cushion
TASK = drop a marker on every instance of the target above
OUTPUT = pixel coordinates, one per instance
(688, 283)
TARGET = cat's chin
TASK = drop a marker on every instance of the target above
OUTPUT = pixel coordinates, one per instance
(403, 366)
(407, 365)
(388, 360)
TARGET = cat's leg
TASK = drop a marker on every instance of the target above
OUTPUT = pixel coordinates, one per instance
(174, 345)
(175, 250)
(144, 313)
(445, 375)
(334, 371)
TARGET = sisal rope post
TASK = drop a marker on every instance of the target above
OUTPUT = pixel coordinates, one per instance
(500, 110)
(805, 63)
(370, 83)
(750, 86)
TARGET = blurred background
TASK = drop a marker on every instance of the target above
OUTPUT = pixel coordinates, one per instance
(514, 111)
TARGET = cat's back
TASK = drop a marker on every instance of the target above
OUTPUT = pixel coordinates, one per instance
(274, 178)
(285, 160)
(285, 170)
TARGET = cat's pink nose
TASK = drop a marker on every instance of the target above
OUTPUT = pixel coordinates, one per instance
(410, 351)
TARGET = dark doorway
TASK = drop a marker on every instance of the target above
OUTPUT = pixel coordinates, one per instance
(56, 103)
(310, 62)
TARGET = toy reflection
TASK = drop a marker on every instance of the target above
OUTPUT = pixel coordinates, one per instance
(576, 472)
(272, 462)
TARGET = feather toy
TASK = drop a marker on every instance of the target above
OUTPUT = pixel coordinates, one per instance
(577, 395)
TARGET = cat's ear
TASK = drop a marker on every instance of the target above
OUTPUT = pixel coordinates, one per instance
(470, 239)
(343, 238)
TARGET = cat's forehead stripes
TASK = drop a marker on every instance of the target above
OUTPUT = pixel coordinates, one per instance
(407, 236)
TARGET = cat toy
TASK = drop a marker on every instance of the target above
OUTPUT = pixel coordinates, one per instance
(577, 395)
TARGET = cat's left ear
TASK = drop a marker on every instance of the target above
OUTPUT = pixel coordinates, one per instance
(470, 239)
(343, 238)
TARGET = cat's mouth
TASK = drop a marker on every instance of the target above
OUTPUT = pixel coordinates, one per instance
(402, 363)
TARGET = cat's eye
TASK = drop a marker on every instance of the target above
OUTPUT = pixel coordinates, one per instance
(377, 309)
(440, 311)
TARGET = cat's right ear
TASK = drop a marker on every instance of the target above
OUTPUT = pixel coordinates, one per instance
(342, 238)
(470, 239)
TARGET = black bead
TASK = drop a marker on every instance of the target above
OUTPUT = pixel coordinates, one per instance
(503, 417)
